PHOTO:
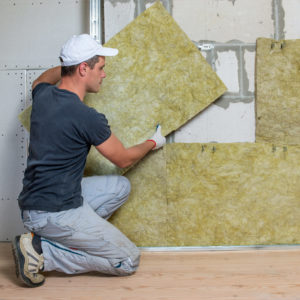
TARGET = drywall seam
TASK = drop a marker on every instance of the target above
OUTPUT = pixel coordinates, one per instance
(245, 82)
(232, 1)
(244, 95)
(278, 19)
(140, 6)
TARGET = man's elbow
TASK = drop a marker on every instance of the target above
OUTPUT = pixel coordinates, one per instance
(123, 164)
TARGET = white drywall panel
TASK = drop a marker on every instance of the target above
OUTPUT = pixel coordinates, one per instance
(12, 151)
(32, 32)
(291, 18)
(225, 20)
(216, 124)
(117, 14)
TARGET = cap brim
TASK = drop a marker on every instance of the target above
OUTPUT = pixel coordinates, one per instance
(104, 51)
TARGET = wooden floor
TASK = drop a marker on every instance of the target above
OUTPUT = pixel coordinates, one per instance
(245, 274)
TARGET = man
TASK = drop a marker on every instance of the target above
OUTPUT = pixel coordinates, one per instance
(65, 214)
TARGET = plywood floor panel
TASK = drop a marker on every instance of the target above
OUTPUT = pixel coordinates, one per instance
(226, 275)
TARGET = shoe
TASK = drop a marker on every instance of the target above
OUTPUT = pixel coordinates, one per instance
(28, 262)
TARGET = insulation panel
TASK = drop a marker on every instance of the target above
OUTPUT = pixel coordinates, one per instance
(214, 194)
(277, 91)
(159, 76)
(144, 217)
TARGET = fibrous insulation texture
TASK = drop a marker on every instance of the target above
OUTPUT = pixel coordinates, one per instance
(277, 91)
(158, 77)
(214, 194)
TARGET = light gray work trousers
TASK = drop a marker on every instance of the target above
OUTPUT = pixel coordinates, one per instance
(80, 240)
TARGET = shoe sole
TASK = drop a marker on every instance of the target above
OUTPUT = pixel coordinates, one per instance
(19, 264)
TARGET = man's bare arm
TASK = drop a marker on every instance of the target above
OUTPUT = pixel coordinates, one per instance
(114, 150)
(51, 76)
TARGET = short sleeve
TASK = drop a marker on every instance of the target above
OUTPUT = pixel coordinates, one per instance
(38, 88)
(96, 129)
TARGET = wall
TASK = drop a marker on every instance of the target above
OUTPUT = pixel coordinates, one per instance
(32, 33)
(226, 30)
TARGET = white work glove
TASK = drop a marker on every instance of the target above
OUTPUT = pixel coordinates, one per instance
(158, 139)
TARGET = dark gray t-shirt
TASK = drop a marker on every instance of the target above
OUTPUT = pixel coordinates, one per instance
(62, 131)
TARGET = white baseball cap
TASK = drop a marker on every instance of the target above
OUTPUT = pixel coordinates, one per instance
(80, 48)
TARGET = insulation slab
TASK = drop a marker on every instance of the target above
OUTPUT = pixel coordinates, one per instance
(277, 91)
(144, 216)
(158, 77)
(214, 194)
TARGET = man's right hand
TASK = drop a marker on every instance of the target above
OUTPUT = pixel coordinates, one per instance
(158, 139)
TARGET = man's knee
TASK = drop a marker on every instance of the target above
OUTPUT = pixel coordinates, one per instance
(124, 186)
(129, 265)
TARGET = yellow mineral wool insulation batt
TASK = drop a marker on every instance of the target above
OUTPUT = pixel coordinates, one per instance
(214, 194)
(277, 91)
(144, 216)
(159, 76)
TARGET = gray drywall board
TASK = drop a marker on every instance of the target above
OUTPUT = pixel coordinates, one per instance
(12, 151)
(32, 32)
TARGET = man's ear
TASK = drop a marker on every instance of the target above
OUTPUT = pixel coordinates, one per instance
(82, 69)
